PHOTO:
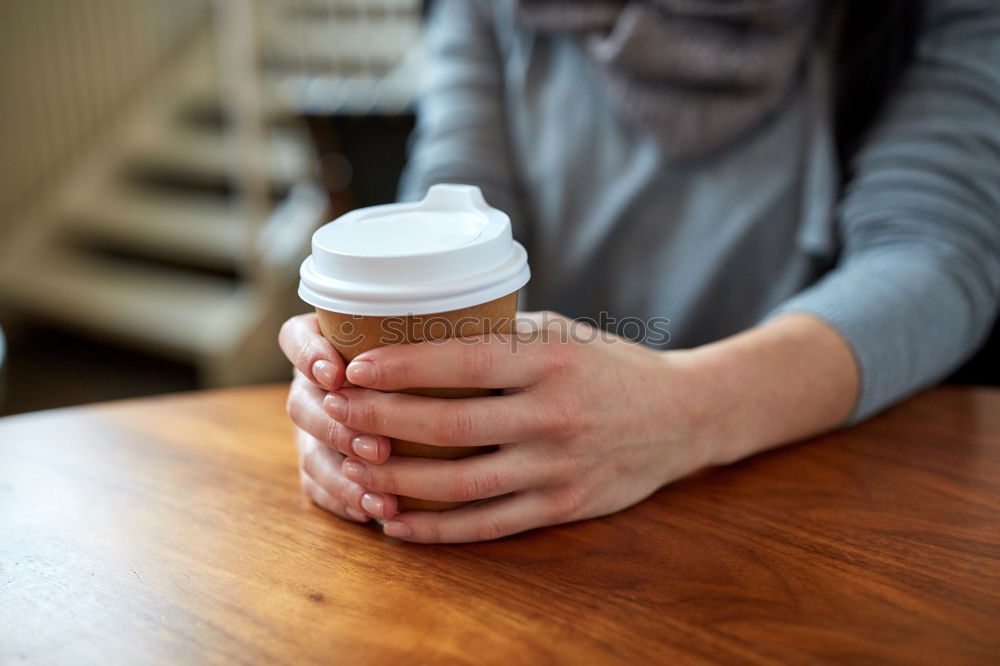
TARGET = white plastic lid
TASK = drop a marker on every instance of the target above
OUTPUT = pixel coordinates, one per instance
(449, 251)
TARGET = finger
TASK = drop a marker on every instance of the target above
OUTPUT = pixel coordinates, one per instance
(473, 478)
(482, 522)
(442, 421)
(304, 345)
(305, 409)
(325, 500)
(380, 505)
(323, 466)
(490, 361)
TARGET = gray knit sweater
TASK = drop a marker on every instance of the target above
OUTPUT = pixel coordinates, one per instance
(905, 263)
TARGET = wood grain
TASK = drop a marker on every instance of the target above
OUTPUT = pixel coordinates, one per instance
(172, 531)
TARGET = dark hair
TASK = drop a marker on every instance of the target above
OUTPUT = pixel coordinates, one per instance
(875, 44)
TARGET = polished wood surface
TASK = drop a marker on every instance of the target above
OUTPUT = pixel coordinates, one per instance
(172, 531)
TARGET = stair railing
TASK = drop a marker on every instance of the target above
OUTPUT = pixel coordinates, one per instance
(241, 101)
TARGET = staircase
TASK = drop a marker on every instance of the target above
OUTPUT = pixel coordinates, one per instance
(181, 229)
(344, 56)
(147, 240)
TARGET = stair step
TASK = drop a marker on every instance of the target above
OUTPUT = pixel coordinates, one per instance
(349, 95)
(335, 45)
(210, 154)
(317, 10)
(207, 231)
(170, 311)
(204, 106)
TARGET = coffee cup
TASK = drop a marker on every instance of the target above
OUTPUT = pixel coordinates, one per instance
(444, 267)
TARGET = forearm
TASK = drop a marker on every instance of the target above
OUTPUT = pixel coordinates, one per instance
(782, 381)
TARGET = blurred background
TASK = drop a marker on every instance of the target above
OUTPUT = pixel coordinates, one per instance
(163, 164)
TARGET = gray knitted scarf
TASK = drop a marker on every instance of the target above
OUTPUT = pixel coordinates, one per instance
(696, 74)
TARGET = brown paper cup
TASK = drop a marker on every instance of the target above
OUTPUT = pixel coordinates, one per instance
(352, 335)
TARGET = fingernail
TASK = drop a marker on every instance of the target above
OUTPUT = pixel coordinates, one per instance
(362, 372)
(394, 528)
(372, 503)
(325, 373)
(336, 404)
(365, 446)
(354, 514)
(354, 471)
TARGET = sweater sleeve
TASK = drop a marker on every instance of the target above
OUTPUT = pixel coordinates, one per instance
(917, 285)
(461, 134)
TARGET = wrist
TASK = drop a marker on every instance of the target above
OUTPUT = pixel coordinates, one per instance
(711, 407)
(782, 381)
(699, 404)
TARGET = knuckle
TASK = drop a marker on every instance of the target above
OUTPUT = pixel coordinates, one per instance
(568, 502)
(288, 327)
(385, 481)
(286, 334)
(395, 370)
(564, 468)
(292, 404)
(303, 443)
(429, 532)
(300, 450)
(350, 495)
(557, 421)
(564, 423)
(489, 529)
(551, 316)
(553, 322)
(560, 358)
(303, 356)
(339, 509)
(309, 463)
(304, 348)
(336, 436)
(478, 486)
(477, 362)
(316, 495)
(454, 426)
(365, 412)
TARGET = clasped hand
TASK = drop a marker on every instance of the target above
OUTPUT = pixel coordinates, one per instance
(586, 424)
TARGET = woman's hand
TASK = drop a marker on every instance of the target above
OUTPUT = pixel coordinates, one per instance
(321, 442)
(588, 424)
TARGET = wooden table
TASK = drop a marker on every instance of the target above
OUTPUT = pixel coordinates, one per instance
(172, 531)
